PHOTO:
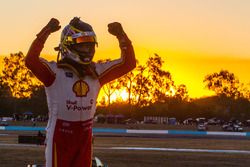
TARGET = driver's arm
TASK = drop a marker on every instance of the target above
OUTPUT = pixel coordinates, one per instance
(128, 62)
(32, 61)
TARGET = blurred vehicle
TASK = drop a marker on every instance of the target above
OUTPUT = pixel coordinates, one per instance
(202, 127)
(200, 120)
(233, 127)
(150, 121)
(172, 121)
(6, 119)
(247, 123)
(188, 121)
(131, 121)
(214, 121)
(4, 123)
(202, 124)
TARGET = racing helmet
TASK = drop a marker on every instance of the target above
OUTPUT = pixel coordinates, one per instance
(76, 32)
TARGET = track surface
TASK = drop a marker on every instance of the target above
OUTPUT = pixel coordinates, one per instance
(141, 150)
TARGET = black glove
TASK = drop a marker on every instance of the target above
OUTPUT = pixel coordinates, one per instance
(116, 29)
(53, 25)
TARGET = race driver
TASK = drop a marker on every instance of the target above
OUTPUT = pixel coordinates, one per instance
(72, 85)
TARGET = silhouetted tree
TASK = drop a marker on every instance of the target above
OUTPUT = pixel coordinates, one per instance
(4, 89)
(181, 92)
(17, 77)
(245, 90)
(110, 88)
(5, 98)
(141, 86)
(161, 79)
(223, 83)
(127, 82)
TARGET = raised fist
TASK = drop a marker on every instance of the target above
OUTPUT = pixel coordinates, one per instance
(53, 25)
(115, 29)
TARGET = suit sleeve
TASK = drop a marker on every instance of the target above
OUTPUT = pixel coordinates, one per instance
(39, 68)
(115, 69)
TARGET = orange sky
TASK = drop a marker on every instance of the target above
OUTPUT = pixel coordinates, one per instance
(192, 70)
(194, 37)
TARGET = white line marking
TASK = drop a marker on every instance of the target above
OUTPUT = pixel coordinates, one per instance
(147, 131)
(176, 150)
(20, 145)
(145, 149)
(228, 133)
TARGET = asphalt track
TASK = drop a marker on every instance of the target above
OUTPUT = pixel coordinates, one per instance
(123, 147)
(145, 149)
(172, 136)
(166, 136)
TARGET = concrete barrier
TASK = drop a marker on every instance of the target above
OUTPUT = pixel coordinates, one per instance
(135, 131)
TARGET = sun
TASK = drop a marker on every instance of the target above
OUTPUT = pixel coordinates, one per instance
(124, 95)
(119, 96)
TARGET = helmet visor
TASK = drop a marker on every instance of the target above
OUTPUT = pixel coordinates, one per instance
(84, 39)
(81, 37)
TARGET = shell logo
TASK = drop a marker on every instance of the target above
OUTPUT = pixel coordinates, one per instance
(80, 88)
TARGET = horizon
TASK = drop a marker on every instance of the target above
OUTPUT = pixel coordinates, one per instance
(192, 79)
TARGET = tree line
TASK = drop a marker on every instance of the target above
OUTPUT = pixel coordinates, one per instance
(151, 92)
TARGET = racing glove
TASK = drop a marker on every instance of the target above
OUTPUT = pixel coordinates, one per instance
(51, 27)
(116, 29)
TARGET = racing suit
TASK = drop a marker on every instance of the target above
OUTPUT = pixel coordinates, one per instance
(72, 102)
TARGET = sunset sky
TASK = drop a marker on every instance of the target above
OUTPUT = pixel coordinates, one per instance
(194, 37)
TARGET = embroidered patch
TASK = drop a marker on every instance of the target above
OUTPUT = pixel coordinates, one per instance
(80, 88)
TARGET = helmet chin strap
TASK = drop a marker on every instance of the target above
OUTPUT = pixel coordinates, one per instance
(81, 70)
(66, 53)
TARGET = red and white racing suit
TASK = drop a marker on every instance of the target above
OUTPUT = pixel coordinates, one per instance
(72, 103)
